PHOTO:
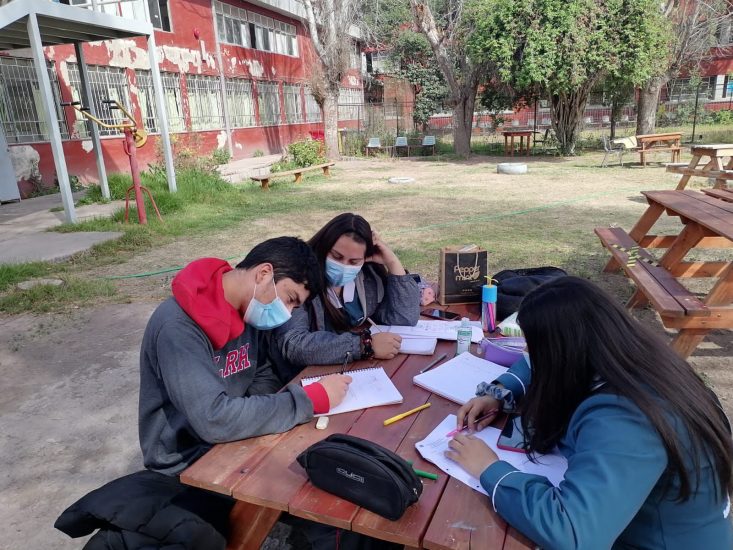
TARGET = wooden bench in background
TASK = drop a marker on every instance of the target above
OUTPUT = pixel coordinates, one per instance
(298, 173)
(653, 143)
(654, 283)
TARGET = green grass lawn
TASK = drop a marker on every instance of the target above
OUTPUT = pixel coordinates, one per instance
(543, 218)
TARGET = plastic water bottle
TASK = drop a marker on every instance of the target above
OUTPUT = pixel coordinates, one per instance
(463, 340)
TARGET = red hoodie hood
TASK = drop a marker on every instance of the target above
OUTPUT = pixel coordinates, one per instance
(199, 291)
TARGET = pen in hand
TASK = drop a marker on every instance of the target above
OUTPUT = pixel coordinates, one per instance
(347, 358)
(479, 419)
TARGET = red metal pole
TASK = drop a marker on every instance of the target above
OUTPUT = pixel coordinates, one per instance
(135, 169)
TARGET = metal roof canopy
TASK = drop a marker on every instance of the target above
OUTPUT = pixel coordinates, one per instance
(37, 23)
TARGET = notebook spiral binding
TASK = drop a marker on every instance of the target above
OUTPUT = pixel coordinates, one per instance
(311, 379)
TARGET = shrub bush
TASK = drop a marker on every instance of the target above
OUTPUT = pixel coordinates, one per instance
(306, 152)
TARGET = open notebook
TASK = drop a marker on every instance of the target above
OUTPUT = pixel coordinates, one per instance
(457, 379)
(368, 388)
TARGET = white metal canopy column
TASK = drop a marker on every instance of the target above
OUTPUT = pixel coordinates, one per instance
(40, 23)
(52, 124)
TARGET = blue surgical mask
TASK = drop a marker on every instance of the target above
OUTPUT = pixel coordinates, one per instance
(266, 316)
(339, 274)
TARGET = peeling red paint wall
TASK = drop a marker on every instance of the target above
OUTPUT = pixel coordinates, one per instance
(180, 51)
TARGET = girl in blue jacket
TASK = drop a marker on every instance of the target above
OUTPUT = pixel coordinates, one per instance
(649, 448)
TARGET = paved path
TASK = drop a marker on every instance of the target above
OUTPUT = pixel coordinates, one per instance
(24, 225)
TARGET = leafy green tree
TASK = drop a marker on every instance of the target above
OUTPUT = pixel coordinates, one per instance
(565, 47)
(447, 29)
(694, 24)
(413, 60)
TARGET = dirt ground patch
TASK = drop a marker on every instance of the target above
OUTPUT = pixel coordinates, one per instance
(69, 396)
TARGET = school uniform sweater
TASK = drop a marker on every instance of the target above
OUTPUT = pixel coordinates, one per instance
(613, 492)
(309, 339)
(205, 377)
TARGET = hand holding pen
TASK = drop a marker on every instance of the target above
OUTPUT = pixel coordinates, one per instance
(477, 413)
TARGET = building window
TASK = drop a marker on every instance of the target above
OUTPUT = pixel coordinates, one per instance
(681, 89)
(231, 24)
(159, 14)
(146, 100)
(268, 99)
(293, 104)
(173, 99)
(286, 39)
(312, 109)
(354, 56)
(240, 103)
(204, 101)
(350, 103)
(106, 83)
(21, 103)
(728, 86)
(252, 30)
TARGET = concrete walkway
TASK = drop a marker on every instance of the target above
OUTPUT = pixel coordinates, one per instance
(24, 225)
(239, 171)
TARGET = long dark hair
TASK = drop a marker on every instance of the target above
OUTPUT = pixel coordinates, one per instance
(358, 229)
(577, 336)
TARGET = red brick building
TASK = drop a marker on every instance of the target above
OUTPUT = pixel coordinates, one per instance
(235, 76)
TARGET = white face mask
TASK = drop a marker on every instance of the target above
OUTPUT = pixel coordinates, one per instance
(266, 316)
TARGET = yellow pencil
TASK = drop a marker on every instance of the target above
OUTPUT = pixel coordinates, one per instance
(405, 414)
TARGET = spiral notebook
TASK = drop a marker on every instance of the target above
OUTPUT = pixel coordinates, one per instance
(368, 388)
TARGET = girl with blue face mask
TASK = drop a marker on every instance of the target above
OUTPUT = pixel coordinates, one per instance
(364, 279)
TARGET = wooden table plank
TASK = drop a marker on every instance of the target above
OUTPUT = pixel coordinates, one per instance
(711, 217)
(712, 201)
(410, 529)
(722, 194)
(464, 520)
(717, 149)
(313, 503)
(257, 485)
(221, 468)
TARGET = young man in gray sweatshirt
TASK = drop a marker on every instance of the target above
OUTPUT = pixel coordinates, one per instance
(204, 373)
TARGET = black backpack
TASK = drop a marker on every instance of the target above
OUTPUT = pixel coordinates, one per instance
(514, 284)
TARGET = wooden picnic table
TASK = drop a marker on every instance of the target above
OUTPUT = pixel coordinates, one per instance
(707, 223)
(509, 136)
(650, 143)
(262, 474)
(708, 161)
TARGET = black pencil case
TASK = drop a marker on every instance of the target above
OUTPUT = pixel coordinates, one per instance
(362, 472)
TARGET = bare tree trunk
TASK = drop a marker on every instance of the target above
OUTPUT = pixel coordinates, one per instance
(567, 111)
(461, 75)
(463, 122)
(330, 124)
(646, 116)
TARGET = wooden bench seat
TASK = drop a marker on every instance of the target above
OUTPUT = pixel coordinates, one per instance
(714, 174)
(298, 173)
(654, 283)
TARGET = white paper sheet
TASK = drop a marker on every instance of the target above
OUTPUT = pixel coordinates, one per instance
(432, 448)
(443, 330)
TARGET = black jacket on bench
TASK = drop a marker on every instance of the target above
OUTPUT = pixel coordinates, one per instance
(149, 510)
